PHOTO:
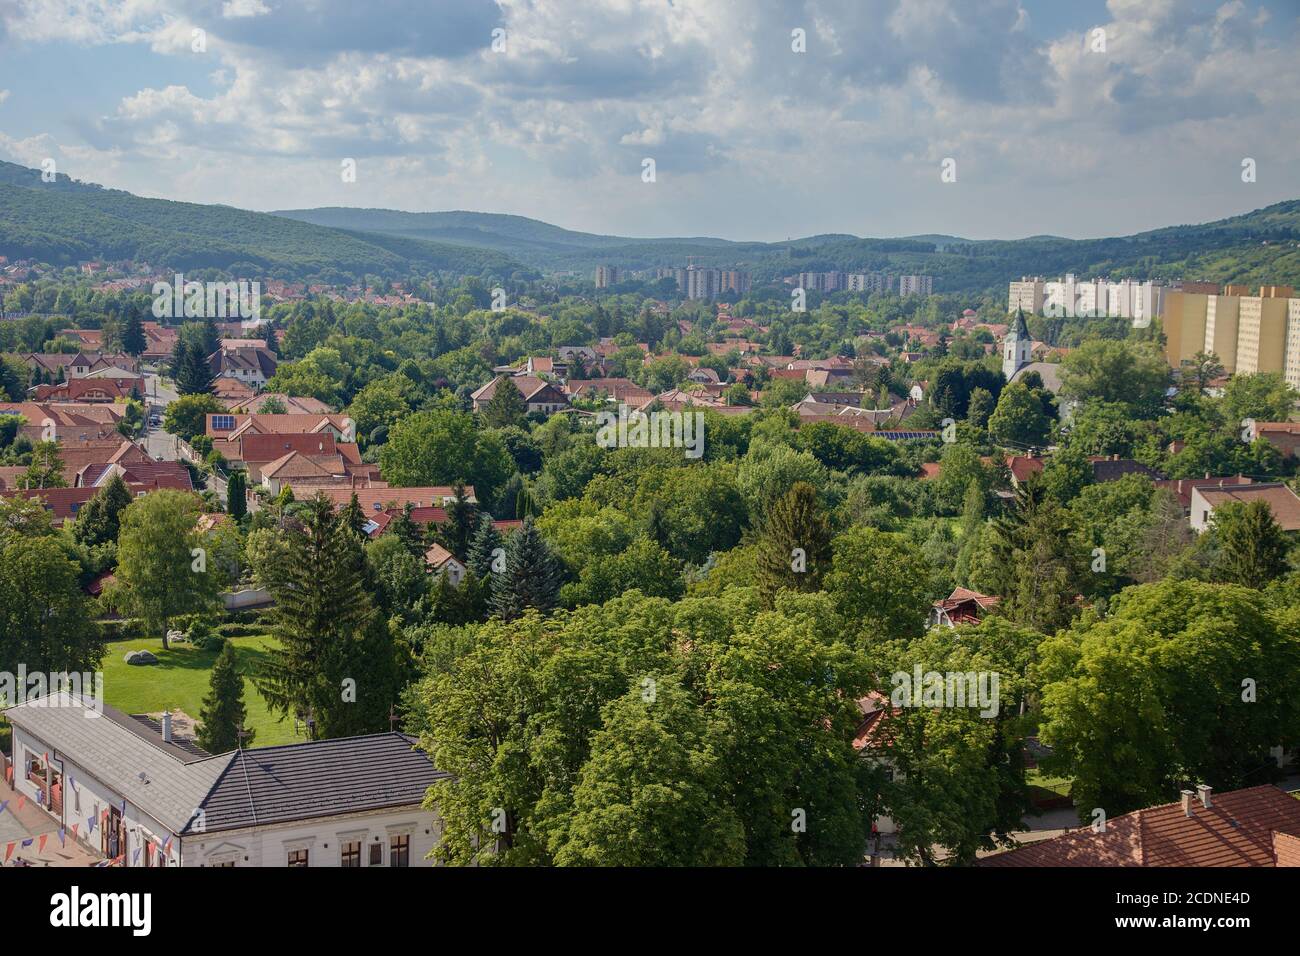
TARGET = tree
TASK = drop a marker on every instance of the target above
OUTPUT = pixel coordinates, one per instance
(45, 620)
(462, 522)
(186, 417)
(46, 468)
(440, 447)
(506, 407)
(1108, 370)
(195, 376)
(794, 549)
(1019, 419)
(483, 550)
(1264, 397)
(99, 519)
(334, 663)
(223, 715)
(163, 569)
(652, 791)
(1252, 546)
(133, 338)
(1125, 698)
(879, 583)
(643, 565)
(980, 407)
(531, 578)
(237, 495)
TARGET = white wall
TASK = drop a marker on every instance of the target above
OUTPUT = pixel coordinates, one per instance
(322, 837)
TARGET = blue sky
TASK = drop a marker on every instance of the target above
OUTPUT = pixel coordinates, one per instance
(750, 139)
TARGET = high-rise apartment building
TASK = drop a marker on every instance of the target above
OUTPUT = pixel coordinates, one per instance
(1261, 336)
(869, 282)
(1249, 334)
(915, 285)
(1291, 366)
(1027, 296)
(607, 276)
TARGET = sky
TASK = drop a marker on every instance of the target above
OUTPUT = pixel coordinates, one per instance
(1077, 118)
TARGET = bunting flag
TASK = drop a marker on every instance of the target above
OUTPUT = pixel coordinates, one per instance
(63, 837)
(28, 842)
(40, 845)
(9, 851)
(75, 826)
(22, 799)
(167, 843)
(90, 823)
(9, 774)
(135, 855)
(105, 813)
(4, 805)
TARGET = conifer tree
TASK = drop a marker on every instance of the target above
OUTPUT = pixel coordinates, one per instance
(794, 549)
(195, 377)
(486, 540)
(532, 576)
(236, 495)
(335, 663)
(223, 714)
(1253, 548)
(408, 531)
(353, 516)
(461, 524)
(133, 340)
(506, 407)
(100, 518)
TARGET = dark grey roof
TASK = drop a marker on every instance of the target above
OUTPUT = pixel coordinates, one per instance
(153, 727)
(318, 778)
(1019, 327)
(1112, 469)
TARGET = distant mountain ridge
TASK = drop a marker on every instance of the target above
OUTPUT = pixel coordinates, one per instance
(65, 222)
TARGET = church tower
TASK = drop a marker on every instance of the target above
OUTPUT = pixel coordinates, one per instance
(1016, 346)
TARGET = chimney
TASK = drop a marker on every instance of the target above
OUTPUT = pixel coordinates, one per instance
(1204, 791)
(167, 726)
(1187, 803)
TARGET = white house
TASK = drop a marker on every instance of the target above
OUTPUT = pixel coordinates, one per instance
(131, 790)
(438, 560)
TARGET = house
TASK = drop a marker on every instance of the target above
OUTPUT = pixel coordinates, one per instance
(91, 389)
(293, 405)
(230, 426)
(64, 420)
(438, 560)
(231, 390)
(140, 794)
(962, 606)
(621, 391)
(54, 366)
(1281, 501)
(1258, 826)
(1023, 467)
(1284, 436)
(540, 396)
(1182, 487)
(251, 364)
(1113, 467)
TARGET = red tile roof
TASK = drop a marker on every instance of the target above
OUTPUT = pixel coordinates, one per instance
(1239, 828)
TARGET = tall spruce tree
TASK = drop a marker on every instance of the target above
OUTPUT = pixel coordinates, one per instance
(408, 531)
(335, 665)
(133, 338)
(458, 530)
(486, 540)
(195, 376)
(223, 714)
(1252, 545)
(532, 576)
(506, 406)
(353, 516)
(794, 549)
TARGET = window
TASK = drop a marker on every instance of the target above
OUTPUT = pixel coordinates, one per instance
(400, 851)
(297, 857)
(351, 854)
(376, 854)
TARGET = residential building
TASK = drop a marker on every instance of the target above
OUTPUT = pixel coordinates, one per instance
(1281, 501)
(1258, 826)
(1284, 436)
(540, 396)
(254, 365)
(1262, 334)
(438, 560)
(963, 606)
(915, 285)
(136, 792)
(607, 276)
(1027, 295)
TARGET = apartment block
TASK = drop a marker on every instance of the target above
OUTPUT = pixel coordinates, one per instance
(1027, 295)
(607, 276)
(1184, 326)
(915, 285)
(1262, 334)
(1222, 315)
(869, 282)
(1291, 369)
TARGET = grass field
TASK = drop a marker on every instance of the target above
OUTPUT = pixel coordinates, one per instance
(180, 681)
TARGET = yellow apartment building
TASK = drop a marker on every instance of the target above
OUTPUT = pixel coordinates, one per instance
(1262, 334)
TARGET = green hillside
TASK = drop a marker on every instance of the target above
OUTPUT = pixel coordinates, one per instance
(65, 222)
(1260, 246)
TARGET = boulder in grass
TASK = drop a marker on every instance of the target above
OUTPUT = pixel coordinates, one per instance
(140, 658)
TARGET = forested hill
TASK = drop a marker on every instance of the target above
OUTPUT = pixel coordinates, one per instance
(1260, 246)
(65, 222)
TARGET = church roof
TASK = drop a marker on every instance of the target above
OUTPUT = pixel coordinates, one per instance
(1020, 329)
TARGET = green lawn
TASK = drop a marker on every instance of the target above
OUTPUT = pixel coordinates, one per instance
(180, 681)
(1044, 787)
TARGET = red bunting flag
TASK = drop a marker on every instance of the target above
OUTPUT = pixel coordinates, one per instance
(9, 774)
(74, 829)
(9, 851)
(22, 799)
(40, 845)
